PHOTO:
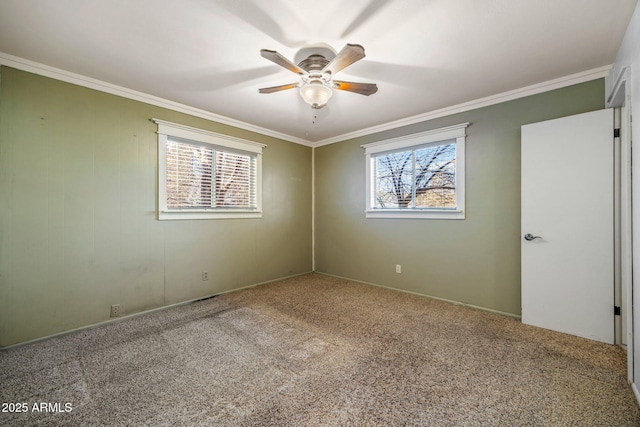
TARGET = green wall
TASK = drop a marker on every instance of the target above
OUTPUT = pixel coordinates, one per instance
(474, 261)
(78, 228)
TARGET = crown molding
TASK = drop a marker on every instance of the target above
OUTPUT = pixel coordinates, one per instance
(80, 80)
(535, 89)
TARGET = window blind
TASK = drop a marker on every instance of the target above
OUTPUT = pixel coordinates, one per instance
(234, 180)
(204, 177)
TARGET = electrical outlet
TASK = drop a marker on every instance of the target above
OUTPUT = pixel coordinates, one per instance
(115, 310)
(205, 275)
(398, 268)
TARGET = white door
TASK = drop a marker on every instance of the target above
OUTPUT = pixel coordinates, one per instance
(567, 209)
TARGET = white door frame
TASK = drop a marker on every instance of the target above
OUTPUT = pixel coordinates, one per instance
(621, 99)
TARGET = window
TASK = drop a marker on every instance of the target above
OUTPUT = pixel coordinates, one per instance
(205, 175)
(417, 176)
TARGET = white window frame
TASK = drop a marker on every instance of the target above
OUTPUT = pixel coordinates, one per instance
(216, 140)
(433, 137)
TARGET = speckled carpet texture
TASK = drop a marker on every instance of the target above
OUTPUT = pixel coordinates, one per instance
(316, 350)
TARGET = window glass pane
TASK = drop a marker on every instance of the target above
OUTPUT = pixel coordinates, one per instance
(436, 177)
(234, 180)
(393, 180)
(433, 183)
(189, 175)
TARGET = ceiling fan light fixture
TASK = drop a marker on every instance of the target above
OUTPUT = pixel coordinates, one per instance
(315, 93)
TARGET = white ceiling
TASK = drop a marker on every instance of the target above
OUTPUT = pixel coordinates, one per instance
(424, 55)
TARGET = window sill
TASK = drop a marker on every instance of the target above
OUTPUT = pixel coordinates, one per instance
(415, 214)
(208, 214)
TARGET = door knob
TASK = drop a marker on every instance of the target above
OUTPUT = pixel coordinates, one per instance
(530, 237)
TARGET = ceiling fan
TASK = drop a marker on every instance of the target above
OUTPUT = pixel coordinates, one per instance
(316, 73)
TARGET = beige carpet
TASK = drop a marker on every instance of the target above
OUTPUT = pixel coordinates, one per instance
(316, 350)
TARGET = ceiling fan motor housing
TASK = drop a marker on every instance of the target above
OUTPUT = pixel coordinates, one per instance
(314, 62)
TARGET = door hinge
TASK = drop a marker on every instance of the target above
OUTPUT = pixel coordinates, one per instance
(616, 133)
(617, 311)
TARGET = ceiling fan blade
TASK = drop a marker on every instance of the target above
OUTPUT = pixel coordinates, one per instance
(360, 88)
(277, 88)
(276, 58)
(347, 56)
